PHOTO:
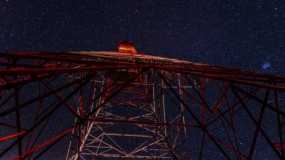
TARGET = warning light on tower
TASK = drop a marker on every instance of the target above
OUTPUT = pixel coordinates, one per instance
(127, 47)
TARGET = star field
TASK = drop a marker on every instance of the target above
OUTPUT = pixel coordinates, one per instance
(233, 33)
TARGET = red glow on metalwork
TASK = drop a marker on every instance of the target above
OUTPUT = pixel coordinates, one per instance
(44, 144)
(280, 146)
(12, 136)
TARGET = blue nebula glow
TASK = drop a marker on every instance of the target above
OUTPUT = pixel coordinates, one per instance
(266, 65)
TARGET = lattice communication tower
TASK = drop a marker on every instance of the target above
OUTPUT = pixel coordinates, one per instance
(129, 105)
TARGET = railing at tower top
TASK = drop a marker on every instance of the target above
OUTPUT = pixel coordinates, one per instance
(93, 60)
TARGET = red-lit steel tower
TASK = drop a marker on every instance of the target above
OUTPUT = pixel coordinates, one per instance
(129, 105)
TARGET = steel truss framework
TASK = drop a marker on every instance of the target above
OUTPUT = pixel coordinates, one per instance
(109, 105)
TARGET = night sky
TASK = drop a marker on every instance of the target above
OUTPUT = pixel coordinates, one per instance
(240, 33)
(246, 34)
